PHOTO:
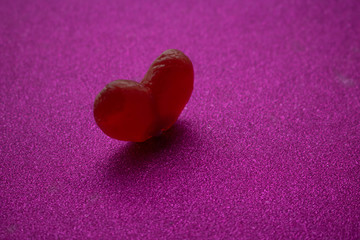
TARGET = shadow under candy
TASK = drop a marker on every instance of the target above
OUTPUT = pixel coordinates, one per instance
(168, 147)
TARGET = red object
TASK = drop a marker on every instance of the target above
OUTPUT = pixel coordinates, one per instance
(131, 111)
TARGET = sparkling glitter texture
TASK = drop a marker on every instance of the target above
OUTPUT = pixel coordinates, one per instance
(267, 147)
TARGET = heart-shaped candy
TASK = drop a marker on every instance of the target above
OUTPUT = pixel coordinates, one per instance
(131, 111)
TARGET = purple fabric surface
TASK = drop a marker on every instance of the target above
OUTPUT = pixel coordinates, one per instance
(267, 147)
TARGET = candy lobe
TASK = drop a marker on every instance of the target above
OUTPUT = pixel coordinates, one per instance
(124, 110)
(170, 79)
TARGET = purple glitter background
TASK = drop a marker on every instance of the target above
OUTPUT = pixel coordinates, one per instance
(267, 147)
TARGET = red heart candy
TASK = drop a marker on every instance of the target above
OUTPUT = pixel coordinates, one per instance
(131, 111)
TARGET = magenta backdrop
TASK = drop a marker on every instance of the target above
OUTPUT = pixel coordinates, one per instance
(267, 147)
